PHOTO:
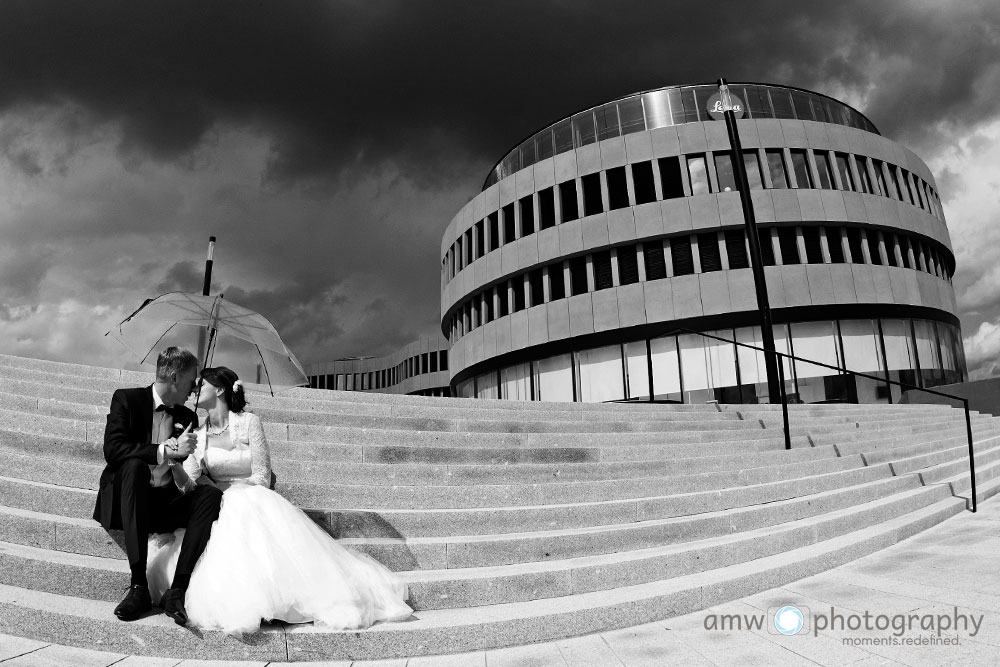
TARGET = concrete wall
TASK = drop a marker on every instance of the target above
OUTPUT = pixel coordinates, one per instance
(983, 395)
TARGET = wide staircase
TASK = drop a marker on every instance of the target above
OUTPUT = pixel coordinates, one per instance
(511, 522)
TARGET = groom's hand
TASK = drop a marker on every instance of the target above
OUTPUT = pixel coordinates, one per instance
(180, 448)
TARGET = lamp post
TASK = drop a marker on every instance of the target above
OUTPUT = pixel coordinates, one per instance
(725, 105)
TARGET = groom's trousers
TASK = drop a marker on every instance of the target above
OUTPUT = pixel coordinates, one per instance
(144, 509)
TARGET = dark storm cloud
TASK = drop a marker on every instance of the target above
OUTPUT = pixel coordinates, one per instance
(349, 84)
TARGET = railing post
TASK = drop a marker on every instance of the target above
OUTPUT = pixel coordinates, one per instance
(972, 454)
(784, 402)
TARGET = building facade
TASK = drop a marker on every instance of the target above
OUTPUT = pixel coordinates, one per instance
(419, 368)
(601, 243)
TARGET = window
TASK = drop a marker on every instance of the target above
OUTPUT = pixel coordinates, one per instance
(563, 133)
(670, 177)
(752, 165)
(567, 200)
(846, 179)
(698, 173)
(781, 101)
(480, 240)
(879, 169)
(508, 224)
(628, 265)
(680, 253)
(890, 249)
(823, 167)
(909, 187)
(602, 270)
(535, 286)
(578, 275)
(617, 189)
(652, 255)
(557, 283)
(503, 300)
(724, 171)
(800, 101)
(896, 191)
(642, 181)
(599, 371)
(583, 129)
(444, 360)
(920, 193)
(488, 313)
(766, 247)
(592, 194)
(546, 209)
(814, 251)
(476, 312)
(776, 167)
(854, 243)
(872, 239)
(494, 231)
(736, 249)
(904, 251)
(863, 178)
(801, 168)
(835, 245)
(788, 241)
(527, 216)
(543, 144)
(708, 252)
(630, 114)
(607, 121)
(517, 285)
(434, 358)
(468, 247)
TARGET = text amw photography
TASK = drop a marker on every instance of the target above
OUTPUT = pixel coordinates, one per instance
(523, 333)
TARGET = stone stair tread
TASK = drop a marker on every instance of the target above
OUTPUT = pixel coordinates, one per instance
(483, 627)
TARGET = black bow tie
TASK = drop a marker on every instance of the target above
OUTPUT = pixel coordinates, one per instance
(162, 408)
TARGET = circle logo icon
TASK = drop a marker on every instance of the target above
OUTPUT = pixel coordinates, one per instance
(788, 620)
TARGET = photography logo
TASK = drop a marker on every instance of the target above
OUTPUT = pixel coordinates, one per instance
(789, 619)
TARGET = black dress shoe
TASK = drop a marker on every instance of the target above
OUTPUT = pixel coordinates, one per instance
(135, 604)
(173, 605)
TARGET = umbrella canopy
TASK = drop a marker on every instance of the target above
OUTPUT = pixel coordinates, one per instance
(220, 332)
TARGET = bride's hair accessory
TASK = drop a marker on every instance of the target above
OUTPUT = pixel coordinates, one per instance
(238, 385)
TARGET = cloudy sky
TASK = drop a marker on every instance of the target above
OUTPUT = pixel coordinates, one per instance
(328, 144)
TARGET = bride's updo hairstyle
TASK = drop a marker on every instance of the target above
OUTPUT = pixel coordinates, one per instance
(220, 376)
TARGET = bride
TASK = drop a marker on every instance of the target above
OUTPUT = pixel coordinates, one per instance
(265, 559)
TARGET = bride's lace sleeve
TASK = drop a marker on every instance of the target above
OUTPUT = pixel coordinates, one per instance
(260, 455)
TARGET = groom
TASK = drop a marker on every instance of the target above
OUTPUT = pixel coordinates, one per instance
(148, 430)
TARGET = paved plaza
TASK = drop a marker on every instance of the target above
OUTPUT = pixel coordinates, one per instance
(918, 590)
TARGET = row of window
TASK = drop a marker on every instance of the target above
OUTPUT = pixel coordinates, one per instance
(680, 176)
(667, 107)
(690, 368)
(428, 362)
(696, 253)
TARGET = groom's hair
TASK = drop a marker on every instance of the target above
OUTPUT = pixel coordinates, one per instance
(172, 362)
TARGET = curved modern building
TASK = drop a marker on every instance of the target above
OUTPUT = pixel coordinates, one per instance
(419, 368)
(600, 241)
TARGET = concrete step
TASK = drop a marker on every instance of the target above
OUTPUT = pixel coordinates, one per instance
(326, 495)
(77, 621)
(886, 455)
(322, 470)
(83, 403)
(80, 535)
(462, 582)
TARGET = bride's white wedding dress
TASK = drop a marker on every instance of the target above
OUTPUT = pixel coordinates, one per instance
(266, 559)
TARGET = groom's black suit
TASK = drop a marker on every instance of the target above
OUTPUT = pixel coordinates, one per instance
(127, 499)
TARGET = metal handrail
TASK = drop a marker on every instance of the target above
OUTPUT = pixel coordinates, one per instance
(784, 396)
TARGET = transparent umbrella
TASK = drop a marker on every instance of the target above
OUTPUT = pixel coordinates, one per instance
(220, 332)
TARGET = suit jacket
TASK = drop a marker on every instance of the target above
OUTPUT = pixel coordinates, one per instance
(128, 436)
